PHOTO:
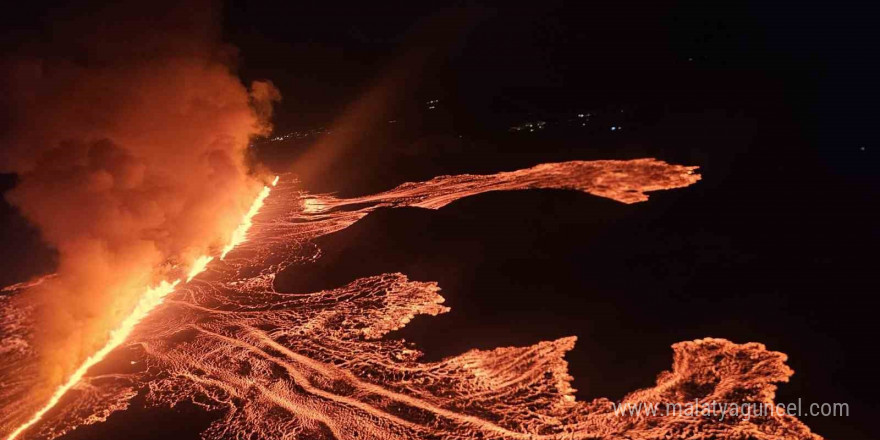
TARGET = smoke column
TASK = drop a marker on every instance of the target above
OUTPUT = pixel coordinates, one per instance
(129, 131)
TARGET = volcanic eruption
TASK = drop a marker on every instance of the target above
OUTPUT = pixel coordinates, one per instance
(133, 162)
(131, 154)
(315, 365)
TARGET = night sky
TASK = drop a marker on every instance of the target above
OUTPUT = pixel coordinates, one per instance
(777, 244)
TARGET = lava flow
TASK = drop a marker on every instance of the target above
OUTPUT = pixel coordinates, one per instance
(151, 298)
(279, 365)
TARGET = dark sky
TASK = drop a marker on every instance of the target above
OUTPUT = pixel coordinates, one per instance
(774, 100)
(815, 61)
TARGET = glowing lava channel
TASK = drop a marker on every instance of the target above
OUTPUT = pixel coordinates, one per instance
(240, 234)
(151, 298)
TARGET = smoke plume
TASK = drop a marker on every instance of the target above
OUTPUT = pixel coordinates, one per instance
(129, 131)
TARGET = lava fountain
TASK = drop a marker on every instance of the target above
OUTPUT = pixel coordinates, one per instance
(151, 298)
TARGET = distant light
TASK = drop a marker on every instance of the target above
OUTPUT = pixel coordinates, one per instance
(862, 148)
(613, 128)
(580, 115)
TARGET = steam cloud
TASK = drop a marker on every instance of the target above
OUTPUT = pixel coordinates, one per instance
(129, 132)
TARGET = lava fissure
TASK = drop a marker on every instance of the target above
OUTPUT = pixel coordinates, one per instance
(149, 301)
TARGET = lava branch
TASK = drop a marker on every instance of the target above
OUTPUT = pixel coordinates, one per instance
(152, 297)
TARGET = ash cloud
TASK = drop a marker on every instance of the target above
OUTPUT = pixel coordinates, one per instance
(128, 128)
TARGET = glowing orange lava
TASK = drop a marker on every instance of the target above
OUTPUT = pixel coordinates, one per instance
(277, 365)
(199, 266)
(151, 298)
(240, 233)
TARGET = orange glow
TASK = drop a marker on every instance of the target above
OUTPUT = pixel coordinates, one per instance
(314, 385)
(151, 298)
(240, 234)
(199, 266)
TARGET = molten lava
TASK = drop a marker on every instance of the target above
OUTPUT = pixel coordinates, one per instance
(199, 266)
(240, 234)
(148, 301)
(151, 298)
(280, 365)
